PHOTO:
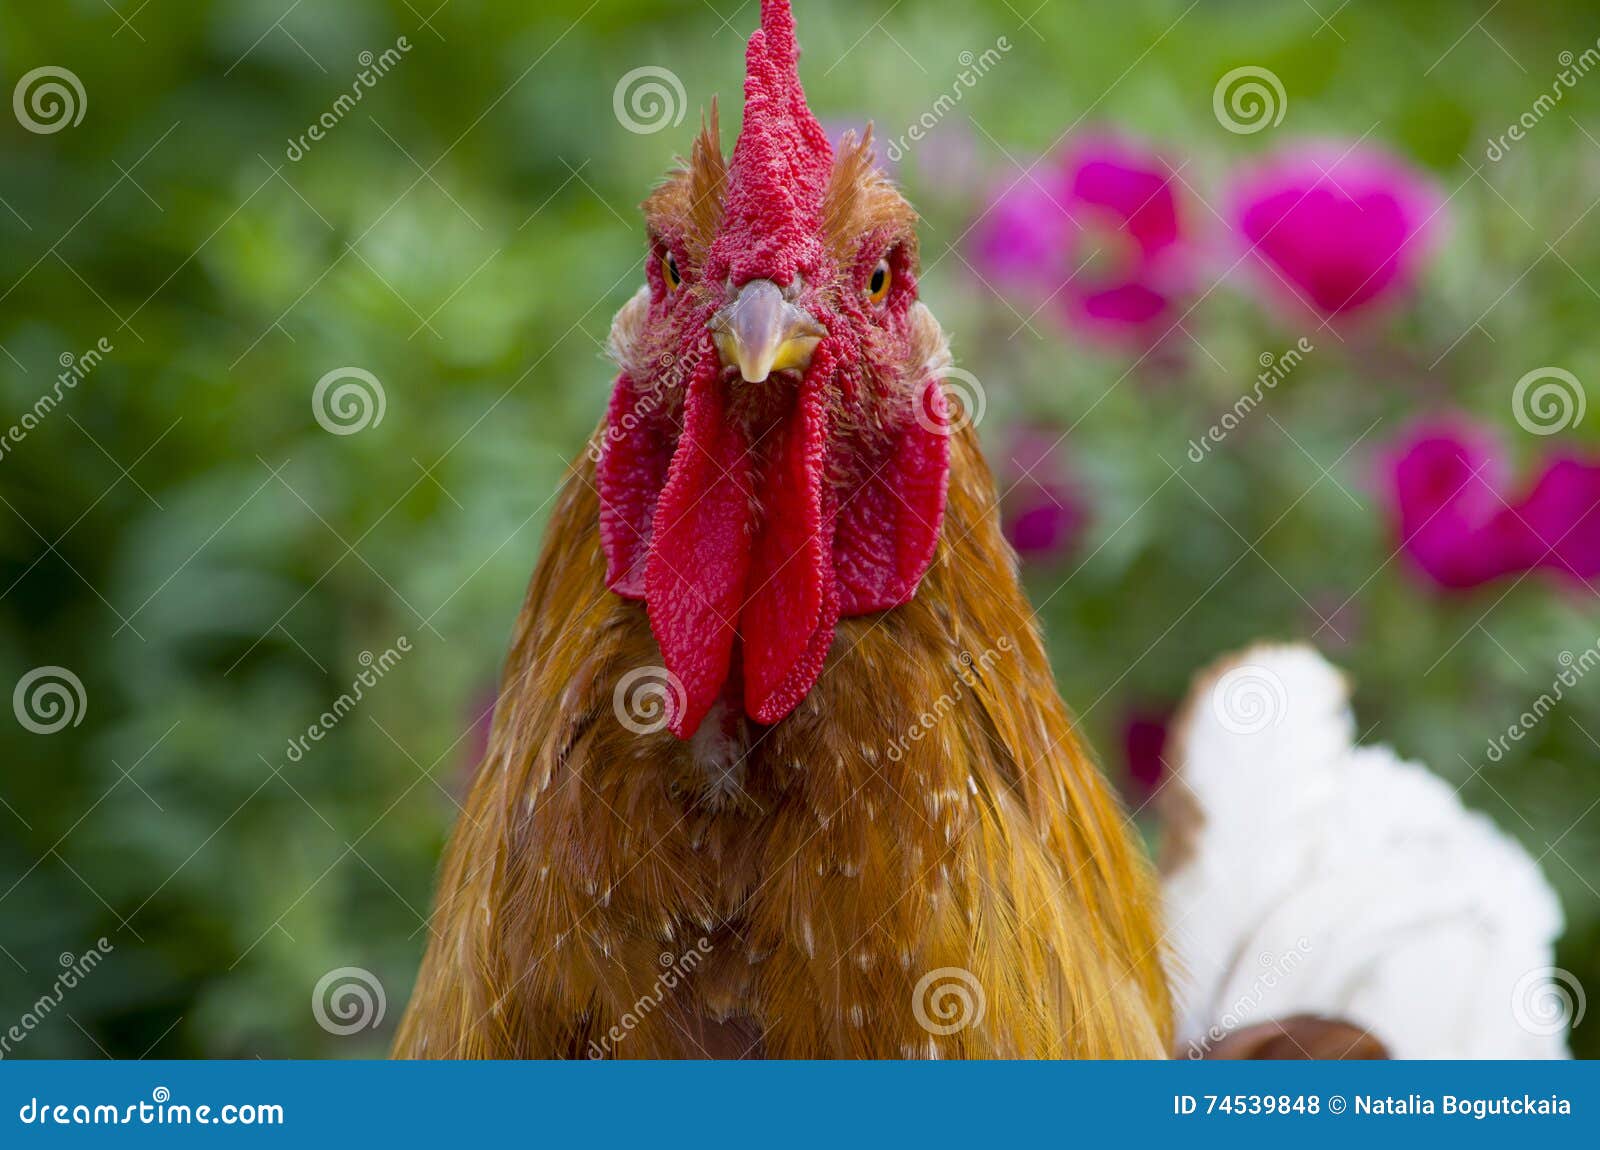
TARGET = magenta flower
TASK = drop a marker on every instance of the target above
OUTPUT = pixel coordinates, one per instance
(1097, 234)
(1339, 231)
(1460, 524)
(1043, 512)
(1562, 516)
(1144, 745)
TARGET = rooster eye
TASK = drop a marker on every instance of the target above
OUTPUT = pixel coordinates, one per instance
(669, 269)
(878, 286)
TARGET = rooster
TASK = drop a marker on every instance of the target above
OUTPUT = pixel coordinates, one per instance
(859, 821)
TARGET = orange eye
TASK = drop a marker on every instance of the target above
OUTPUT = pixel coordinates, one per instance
(878, 286)
(669, 271)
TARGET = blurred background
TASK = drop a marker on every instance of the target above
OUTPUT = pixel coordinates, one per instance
(202, 551)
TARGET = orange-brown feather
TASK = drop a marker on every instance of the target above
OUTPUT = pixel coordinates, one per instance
(921, 809)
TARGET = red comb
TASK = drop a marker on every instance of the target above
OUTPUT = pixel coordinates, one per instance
(781, 164)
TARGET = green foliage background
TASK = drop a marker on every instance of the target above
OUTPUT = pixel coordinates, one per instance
(211, 564)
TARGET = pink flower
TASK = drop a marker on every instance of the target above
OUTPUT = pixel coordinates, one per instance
(1562, 514)
(1144, 745)
(1097, 233)
(1460, 525)
(1042, 513)
(1339, 231)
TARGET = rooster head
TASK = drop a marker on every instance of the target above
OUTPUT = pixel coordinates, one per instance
(776, 451)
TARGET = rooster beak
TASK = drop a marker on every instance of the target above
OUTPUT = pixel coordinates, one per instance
(760, 332)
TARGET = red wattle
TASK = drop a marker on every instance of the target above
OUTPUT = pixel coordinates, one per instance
(888, 527)
(630, 473)
(700, 556)
(792, 605)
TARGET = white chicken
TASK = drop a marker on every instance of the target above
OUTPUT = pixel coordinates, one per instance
(1306, 875)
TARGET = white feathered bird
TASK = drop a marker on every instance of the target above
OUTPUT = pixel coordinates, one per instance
(1309, 876)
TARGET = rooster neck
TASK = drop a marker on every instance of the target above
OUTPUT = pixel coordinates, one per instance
(926, 807)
